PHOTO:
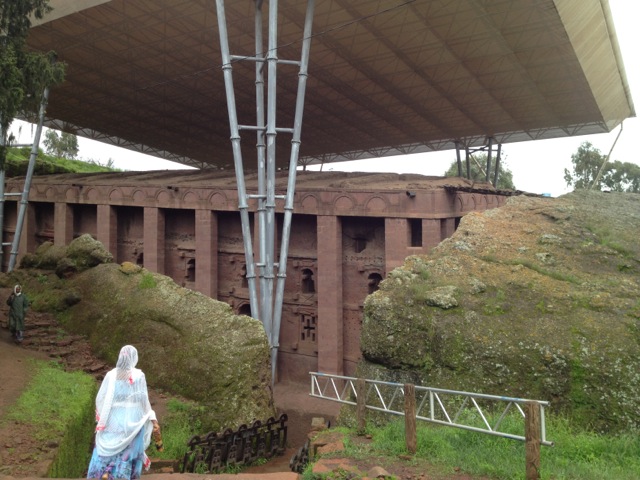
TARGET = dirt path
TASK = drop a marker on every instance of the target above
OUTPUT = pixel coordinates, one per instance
(14, 369)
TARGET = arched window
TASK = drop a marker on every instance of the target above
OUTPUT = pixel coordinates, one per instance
(140, 259)
(245, 309)
(308, 284)
(374, 282)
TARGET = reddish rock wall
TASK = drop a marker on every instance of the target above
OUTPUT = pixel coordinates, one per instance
(348, 232)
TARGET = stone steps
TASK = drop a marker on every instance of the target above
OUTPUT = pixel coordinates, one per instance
(44, 334)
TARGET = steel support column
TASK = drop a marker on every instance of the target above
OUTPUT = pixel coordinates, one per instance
(268, 309)
(489, 152)
(3, 142)
(291, 184)
(497, 170)
(24, 199)
(458, 159)
(237, 156)
(484, 172)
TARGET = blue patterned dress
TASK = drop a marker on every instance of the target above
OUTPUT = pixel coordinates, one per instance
(124, 422)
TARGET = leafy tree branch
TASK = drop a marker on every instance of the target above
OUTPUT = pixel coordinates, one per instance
(23, 73)
(616, 176)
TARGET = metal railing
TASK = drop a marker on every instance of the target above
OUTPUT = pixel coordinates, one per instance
(213, 451)
(470, 411)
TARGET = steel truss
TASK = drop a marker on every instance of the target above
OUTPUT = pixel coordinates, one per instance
(266, 307)
(469, 411)
(490, 147)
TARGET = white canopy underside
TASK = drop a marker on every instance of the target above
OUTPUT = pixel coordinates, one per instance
(386, 77)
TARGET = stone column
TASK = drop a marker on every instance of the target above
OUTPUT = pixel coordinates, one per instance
(154, 239)
(329, 288)
(62, 224)
(107, 229)
(448, 227)
(28, 236)
(396, 242)
(431, 233)
(207, 253)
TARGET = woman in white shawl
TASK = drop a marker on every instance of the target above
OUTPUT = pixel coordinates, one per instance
(125, 421)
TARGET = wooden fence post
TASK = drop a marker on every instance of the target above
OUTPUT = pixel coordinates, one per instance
(361, 405)
(410, 417)
(532, 439)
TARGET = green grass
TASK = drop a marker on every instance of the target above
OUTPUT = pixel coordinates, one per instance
(147, 281)
(609, 240)
(60, 407)
(179, 425)
(576, 454)
(18, 158)
(563, 277)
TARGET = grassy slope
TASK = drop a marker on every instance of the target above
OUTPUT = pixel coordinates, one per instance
(18, 158)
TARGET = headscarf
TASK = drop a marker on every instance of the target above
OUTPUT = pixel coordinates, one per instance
(16, 292)
(122, 406)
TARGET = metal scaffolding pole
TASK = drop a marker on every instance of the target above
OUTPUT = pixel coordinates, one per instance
(489, 152)
(2, 144)
(268, 309)
(291, 184)
(237, 155)
(24, 200)
(458, 159)
(272, 68)
(261, 152)
(497, 171)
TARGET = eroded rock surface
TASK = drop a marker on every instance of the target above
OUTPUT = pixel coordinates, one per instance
(538, 299)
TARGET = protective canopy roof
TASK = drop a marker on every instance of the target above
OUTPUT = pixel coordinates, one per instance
(386, 77)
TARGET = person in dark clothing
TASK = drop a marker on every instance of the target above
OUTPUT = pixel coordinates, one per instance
(18, 305)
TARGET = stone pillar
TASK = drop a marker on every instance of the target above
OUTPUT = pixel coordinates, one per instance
(396, 242)
(28, 236)
(431, 233)
(107, 229)
(329, 288)
(207, 253)
(62, 224)
(154, 239)
(448, 227)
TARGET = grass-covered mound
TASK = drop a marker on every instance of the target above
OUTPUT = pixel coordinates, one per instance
(537, 299)
(18, 160)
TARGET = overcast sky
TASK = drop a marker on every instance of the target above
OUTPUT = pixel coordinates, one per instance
(537, 166)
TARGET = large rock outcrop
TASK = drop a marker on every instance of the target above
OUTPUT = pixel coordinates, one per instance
(189, 344)
(539, 299)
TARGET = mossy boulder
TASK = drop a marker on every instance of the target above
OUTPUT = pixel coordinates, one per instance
(188, 344)
(87, 252)
(537, 299)
(82, 253)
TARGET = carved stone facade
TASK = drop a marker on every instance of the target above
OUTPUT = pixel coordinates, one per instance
(349, 230)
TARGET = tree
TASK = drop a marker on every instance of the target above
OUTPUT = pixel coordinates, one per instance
(23, 73)
(586, 164)
(505, 176)
(63, 146)
(616, 176)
